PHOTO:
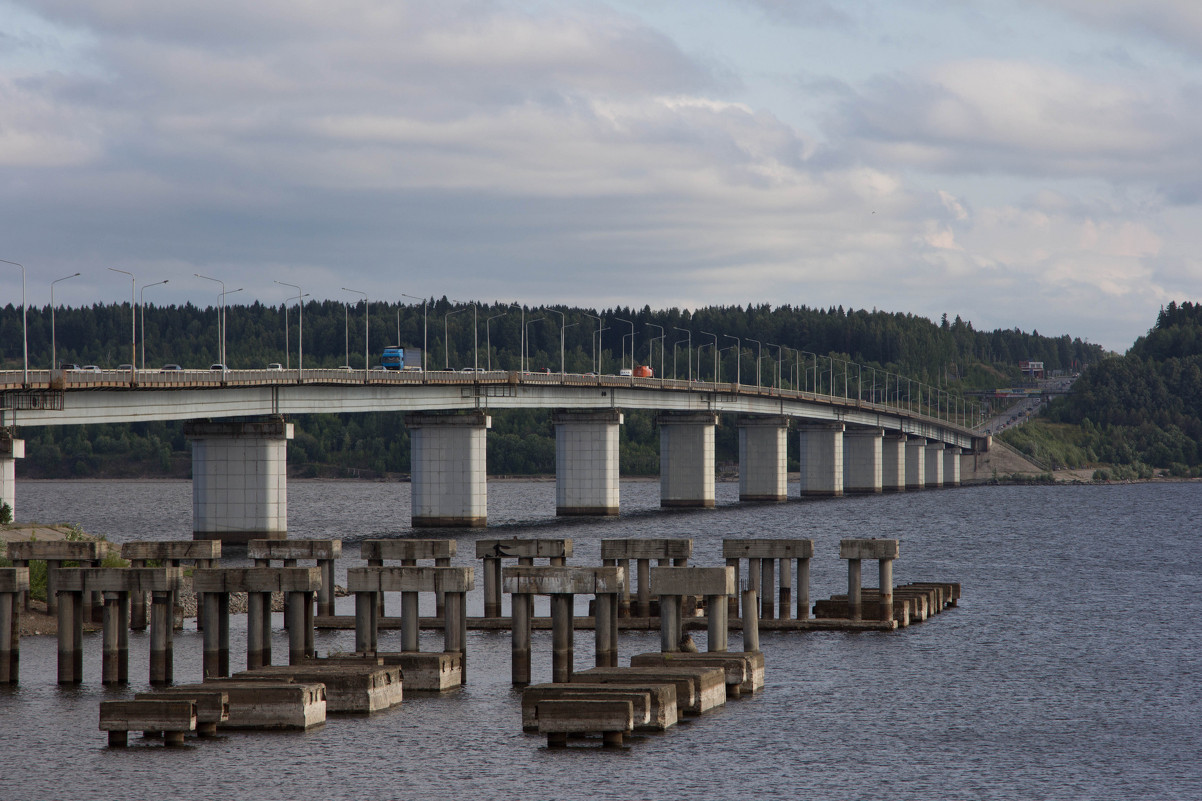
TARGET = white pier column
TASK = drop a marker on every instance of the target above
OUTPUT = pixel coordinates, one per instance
(10, 451)
(686, 458)
(951, 466)
(448, 465)
(821, 459)
(893, 463)
(239, 479)
(863, 454)
(934, 474)
(586, 462)
(763, 465)
(916, 463)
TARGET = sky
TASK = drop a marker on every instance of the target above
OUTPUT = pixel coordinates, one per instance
(1031, 165)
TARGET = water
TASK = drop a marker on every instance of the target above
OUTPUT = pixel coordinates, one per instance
(1071, 670)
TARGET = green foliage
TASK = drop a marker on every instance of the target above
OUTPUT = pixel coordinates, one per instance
(6, 513)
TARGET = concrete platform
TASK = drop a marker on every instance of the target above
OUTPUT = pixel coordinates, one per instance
(427, 671)
(171, 718)
(611, 718)
(212, 706)
(654, 704)
(269, 703)
(351, 687)
(744, 669)
(698, 689)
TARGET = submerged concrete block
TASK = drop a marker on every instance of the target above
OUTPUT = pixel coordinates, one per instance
(172, 718)
(654, 704)
(270, 703)
(698, 688)
(350, 687)
(744, 670)
(212, 706)
(611, 717)
(427, 672)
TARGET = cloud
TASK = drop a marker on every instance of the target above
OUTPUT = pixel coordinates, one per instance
(1176, 22)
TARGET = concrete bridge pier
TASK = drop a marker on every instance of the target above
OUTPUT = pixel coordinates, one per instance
(448, 464)
(239, 479)
(763, 468)
(14, 583)
(821, 459)
(856, 550)
(10, 450)
(863, 460)
(409, 553)
(169, 553)
(114, 664)
(525, 551)
(951, 466)
(762, 556)
(586, 462)
(686, 459)
(893, 462)
(323, 553)
(916, 463)
(934, 465)
(619, 553)
(162, 628)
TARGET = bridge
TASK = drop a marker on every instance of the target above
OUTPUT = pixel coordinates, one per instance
(888, 442)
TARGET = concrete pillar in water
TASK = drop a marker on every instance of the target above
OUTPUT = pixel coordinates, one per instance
(854, 609)
(686, 458)
(718, 623)
(863, 460)
(162, 633)
(10, 450)
(561, 637)
(803, 588)
(586, 462)
(669, 623)
(114, 665)
(715, 584)
(256, 607)
(885, 574)
(217, 607)
(934, 465)
(294, 611)
(70, 637)
(239, 480)
(751, 623)
(14, 583)
(643, 605)
(366, 623)
(883, 550)
(492, 587)
(605, 630)
(951, 466)
(763, 469)
(450, 483)
(916, 463)
(893, 463)
(522, 604)
(410, 622)
(455, 629)
(821, 459)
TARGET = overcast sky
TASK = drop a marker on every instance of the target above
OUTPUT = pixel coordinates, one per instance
(1020, 164)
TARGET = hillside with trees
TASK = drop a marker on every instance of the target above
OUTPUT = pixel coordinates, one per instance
(857, 349)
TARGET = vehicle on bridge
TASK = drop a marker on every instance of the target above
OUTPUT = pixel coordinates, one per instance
(394, 358)
(643, 371)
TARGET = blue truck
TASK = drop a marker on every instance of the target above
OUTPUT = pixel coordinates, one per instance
(395, 356)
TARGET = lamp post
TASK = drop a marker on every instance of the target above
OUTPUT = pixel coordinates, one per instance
(221, 316)
(593, 340)
(24, 325)
(488, 336)
(759, 354)
(526, 326)
(366, 332)
(715, 336)
(53, 344)
(650, 349)
(300, 334)
(475, 333)
(779, 355)
(224, 364)
(631, 324)
(562, 325)
(690, 351)
(446, 342)
(133, 315)
(141, 302)
(738, 359)
(600, 352)
(398, 328)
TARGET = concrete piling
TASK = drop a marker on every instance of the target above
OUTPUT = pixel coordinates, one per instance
(14, 584)
(751, 623)
(561, 637)
(162, 625)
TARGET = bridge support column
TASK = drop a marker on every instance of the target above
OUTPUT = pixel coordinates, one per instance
(821, 459)
(934, 466)
(893, 463)
(10, 450)
(863, 460)
(239, 480)
(450, 480)
(686, 458)
(763, 469)
(916, 463)
(586, 462)
(951, 466)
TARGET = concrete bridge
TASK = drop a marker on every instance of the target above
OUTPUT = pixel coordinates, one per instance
(848, 444)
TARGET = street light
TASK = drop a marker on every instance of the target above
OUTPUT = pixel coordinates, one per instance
(446, 342)
(300, 334)
(224, 364)
(526, 344)
(759, 354)
(631, 324)
(366, 333)
(593, 339)
(287, 349)
(690, 359)
(424, 338)
(142, 315)
(220, 316)
(715, 336)
(24, 326)
(780, 351)
(738, 359)
(488, 335)
(133, 315)
(53, 344)
(651, 349)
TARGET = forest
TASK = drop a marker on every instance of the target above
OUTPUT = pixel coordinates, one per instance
(767, 344)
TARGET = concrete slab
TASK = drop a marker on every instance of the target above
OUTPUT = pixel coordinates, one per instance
(657, 700)
(427, 672)
(351, 688)
(744, 669)
(698, 689)
(269, 703)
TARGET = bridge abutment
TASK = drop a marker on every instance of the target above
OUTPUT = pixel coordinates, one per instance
(951, 466)
(10, 451)
(934, 466)
(686, 458)
(239, 480)
(586, 462)
(448, 466)
(916, 463)
(893, 463)
(863, 455)
(763, 466)
(821, 459)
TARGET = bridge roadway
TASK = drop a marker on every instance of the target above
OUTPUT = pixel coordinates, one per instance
(239, 466)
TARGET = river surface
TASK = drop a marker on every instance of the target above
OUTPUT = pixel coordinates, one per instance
(1072, 668)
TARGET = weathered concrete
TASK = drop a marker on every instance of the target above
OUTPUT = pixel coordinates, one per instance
(698, 688)
(168, 553)
(586, 462)
(761, 556)
(744, 669)
(359, 686)
(427, 671)
(686, 458)
(863, 460)
(916, 463)
(449, 479)
(212, 706)
(821, 459)
(324, 553)
(934, 465)
(525, 551)
(10, 450)
(269, 703)
(88, 553)
(654, 704)
(884, 551)
(619, 553)
(171, 718)
(611, 718)
(763, 465)
(893, 462)
(672, 584)
(239, 479)
(951, 466)
(409, 553)
(14, 583)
